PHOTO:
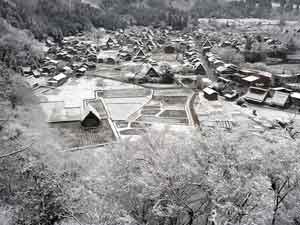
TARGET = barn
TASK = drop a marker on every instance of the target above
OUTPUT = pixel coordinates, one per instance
(90, 118)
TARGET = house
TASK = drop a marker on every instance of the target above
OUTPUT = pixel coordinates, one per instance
(110, 43)
(67, 70)
(247, 72)
(293, 59)
(210, 94)
(151, 72)
(90, 65)
(207, 46)
(151, 44)
(169, 49)
(26, 71)
(293, 86)
(36, 73)
(230, 96)
(256, 95)
(295, 98)
(57, 80)
(282, 79)
(199, 69)
(81, 71)
(90, 118)
(148, 74)
(49, 42)
(250, 80)
(195, 60)
(111, 60)
(216, 63)
(223, 70)
(125, 56)
(264, 77)
(280, 99)
(140, 54)
(92, 58)
(49, 69)
(32, 82)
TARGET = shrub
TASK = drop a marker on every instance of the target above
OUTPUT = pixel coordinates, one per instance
(229, 55)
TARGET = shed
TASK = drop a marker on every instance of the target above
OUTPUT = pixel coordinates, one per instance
(210, 94)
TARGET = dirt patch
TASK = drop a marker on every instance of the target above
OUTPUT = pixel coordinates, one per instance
(139, 125)
(174, 114)
(98, 105)
(170, 121)
(73, 82)
(171, 100)
(73, 135)
(125, 93)
(121, 123)
(151, 107)
(132, 132)
(52, 92)
(150, 112)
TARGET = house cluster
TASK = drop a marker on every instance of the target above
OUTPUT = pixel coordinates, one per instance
(73, 57)
(251, 85)
(76, 55)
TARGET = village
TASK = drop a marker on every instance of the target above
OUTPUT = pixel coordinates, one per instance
(99, 87)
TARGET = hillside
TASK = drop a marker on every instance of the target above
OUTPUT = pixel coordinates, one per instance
(138, 123)
(58, 18)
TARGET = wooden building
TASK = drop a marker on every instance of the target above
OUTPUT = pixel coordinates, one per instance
(210, 94)
(90, 118)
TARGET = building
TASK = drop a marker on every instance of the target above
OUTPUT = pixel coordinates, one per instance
(57, 80)
(210, 94)
(295, 98)
(152, 72)
(90, 118)
(250, 80)
(282, 79)
(36, 73)
(294, 59)
(280, 99)
(264, 78)
(140, 54)
(256, 95)
(169, 49)
(26, 71)
(199, 69)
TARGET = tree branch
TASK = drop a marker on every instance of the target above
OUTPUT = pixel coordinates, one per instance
(16, 152)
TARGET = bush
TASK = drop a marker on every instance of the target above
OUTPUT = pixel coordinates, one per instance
(229, 55)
